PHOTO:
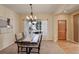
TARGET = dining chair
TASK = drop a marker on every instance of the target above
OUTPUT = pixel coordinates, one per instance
(35, 48)
(20, 45)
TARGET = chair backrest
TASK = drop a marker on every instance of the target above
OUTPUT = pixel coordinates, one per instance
(19, 36)
(16, 37)
(23, 35)
(40, 39)
(35, 38)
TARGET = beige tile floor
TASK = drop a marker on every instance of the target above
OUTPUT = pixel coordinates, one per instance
(69, 47)
(48, 47)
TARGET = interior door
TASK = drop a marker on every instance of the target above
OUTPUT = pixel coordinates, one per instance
(62, 29)
(76, 24)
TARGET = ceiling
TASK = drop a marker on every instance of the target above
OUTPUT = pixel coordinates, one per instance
(43, 8)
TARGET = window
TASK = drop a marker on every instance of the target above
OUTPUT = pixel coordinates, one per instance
(45, 27)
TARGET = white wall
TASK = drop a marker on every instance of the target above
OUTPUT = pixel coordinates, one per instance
(8, 38)
(62, 17)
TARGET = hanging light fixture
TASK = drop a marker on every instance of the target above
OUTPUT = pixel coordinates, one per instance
(31, 17)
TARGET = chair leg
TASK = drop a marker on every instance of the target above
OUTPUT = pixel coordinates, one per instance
(38, 50)
(30, 50)
(18, 49)
(26, 50)
(21, 49)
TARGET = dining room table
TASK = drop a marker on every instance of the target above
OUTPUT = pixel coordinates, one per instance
(27, 41)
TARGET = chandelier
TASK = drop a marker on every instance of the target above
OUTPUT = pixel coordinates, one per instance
(31, 17)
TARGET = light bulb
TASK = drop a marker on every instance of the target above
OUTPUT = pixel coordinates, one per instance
(27, 17)
(35, 17)
(31, 16)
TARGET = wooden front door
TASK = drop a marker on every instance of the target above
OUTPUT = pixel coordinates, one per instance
(61, 29)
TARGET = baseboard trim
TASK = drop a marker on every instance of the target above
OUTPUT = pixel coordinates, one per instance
(73, 41)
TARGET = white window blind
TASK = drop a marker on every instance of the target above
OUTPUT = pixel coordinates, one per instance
(45, 27)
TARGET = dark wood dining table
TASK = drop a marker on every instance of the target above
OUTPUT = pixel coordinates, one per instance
(27, 42)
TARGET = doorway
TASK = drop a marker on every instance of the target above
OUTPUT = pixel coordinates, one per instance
(62, 29)
(76, 27)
